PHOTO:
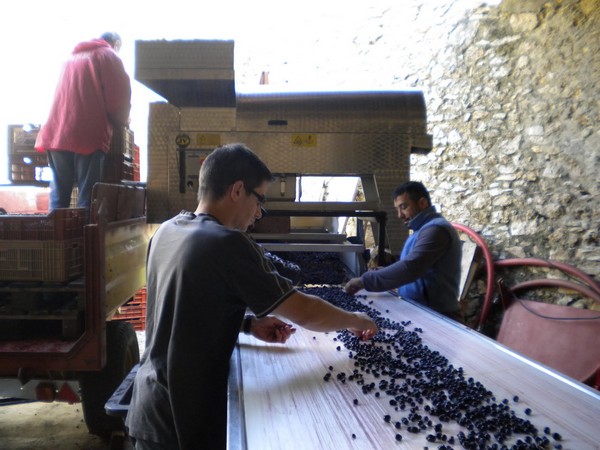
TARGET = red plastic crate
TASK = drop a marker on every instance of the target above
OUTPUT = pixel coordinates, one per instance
(122, 142)
(117, 169)
(140, 296)
(136, 154)
(128, 313)
(29, 168)
(60, 224)
(40, 247)
(122, 160)
(134, 311)
(138, 324)
(54, 261)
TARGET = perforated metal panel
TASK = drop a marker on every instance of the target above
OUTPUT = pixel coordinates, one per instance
(383, 155)
(370, 134)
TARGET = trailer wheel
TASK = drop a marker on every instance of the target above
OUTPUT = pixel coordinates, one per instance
(122, 353)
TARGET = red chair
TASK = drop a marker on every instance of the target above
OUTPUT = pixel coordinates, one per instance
(563, 338)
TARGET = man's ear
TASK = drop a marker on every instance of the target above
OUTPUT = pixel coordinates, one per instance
(423, 203)
(236, 190)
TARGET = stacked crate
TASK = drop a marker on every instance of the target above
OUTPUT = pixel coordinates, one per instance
(136, 163)
(27, 166)
(30, 167)
(122, 162)
(42, 247)
(134, 311)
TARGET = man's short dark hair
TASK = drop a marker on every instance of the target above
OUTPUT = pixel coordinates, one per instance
(415, 190)
(228, 164)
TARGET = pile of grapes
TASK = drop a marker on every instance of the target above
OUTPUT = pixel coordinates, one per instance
(425, 392)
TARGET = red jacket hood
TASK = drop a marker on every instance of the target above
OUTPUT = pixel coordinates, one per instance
(90, 45)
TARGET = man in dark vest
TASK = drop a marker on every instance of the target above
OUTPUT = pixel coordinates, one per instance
(428, 271)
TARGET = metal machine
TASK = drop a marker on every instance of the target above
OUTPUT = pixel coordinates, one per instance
(368, 135)
(365, 136)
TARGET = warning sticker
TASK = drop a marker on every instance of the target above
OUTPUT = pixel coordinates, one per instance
(208, 140)
(304, 140)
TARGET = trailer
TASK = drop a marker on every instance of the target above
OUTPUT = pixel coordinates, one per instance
(63, 276)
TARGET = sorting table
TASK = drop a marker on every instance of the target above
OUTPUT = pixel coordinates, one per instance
(278, 398)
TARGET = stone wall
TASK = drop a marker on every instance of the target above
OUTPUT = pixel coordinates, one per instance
(515, 123)
(513, 101)
(514, 107)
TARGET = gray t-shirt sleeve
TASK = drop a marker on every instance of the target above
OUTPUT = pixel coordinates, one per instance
(256, 279)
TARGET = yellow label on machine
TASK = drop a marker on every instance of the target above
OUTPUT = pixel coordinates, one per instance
(304, 140)
(208, 140)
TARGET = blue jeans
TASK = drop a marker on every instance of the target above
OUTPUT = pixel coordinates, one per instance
(69, 168)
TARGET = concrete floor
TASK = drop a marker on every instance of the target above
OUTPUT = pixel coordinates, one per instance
(47, 426)
(50, 426)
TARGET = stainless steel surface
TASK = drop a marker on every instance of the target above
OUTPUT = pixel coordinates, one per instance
(312, 247)
(297, 237)
(287, 404)
(385, 157)
(188, 73)
(323, 207)
(370, 134)
(236, 419)
(381, 112)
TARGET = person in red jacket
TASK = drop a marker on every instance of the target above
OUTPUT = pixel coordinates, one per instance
(92, 97)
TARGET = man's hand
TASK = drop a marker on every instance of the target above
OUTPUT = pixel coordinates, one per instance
(353, 286)
(271, 329)
(366, 328)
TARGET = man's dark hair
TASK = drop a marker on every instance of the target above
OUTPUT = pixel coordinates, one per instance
(228, 164)
(415, 190)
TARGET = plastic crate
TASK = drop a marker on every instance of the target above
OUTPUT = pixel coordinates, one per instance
(122, 160)
(134, 311)
(52, 261)
(122, 142)
(136, 155)
(139, 324)
(117, 169)
(21, 138)
(130, 313)
(139, 297)
(29, 168)
(59, 225)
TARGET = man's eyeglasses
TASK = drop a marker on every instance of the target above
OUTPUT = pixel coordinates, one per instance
(261, 200)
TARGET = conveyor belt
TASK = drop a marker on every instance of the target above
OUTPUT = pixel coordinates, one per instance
(284, 402)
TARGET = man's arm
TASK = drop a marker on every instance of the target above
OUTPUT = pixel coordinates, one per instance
(117, 89)
(268, 329)
(313, 313)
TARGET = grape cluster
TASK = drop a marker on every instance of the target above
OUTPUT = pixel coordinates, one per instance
(286, 268)
(318, 267)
